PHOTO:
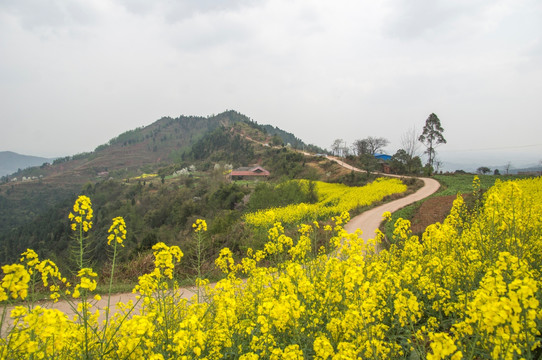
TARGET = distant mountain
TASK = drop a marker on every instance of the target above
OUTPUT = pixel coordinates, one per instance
(11, 162)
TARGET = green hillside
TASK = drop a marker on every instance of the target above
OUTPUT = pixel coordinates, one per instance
(137, 175)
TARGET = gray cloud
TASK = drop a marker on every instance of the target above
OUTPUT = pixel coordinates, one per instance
(320, 69)
(44, 15)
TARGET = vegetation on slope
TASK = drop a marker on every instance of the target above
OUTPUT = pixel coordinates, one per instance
(471, 289)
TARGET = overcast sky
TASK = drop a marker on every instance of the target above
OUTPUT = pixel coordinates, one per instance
(76, 73)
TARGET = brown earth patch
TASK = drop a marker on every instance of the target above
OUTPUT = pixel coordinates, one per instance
(431, 211)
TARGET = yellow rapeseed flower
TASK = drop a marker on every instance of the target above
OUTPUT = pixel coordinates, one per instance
(117, 231)
(200, 225)
(82, 213)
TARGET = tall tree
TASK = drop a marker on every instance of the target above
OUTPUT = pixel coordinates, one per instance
(432, 137)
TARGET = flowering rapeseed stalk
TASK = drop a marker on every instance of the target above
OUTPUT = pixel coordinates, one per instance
(117, 231)
(200, 225)
(82, 214)
(81, 218)
(117, 234)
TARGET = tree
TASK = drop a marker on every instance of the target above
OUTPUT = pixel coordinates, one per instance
(360, 147)
(337, 146)
(507, 167)
(370, 145)
(431, 137)
(403, 163)
(276, 141)
(410, 143)
(483, 170)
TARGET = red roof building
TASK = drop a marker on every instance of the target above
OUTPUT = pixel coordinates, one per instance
(246, 173)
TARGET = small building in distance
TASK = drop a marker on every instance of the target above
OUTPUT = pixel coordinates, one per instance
(383, 160)
(384, 157)
(249, 173)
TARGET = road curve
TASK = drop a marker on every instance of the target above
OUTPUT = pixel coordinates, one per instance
(370, 220)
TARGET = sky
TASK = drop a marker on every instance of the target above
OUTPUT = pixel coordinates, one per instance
(76, 73)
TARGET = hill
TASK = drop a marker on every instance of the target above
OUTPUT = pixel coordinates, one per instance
(11, 162)
(136, 175)
(146, 149)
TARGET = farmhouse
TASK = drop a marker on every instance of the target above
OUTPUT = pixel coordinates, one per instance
(249, 173)
(383, 160)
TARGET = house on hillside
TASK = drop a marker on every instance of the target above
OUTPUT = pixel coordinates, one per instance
(383, 161)
(249, 173)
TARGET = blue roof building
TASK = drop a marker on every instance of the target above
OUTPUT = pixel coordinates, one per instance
(383, 157)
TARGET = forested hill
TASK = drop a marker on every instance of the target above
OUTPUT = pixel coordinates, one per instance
(146, 149)
(134, 175)
(136, 151)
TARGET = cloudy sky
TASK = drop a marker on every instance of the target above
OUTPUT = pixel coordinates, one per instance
(76, 73)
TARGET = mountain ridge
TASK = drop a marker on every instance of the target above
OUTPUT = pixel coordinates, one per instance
(147, 148)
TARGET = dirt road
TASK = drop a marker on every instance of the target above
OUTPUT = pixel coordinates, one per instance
(370, 220)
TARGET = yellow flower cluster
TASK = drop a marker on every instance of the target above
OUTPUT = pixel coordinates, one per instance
(145, 176)
(470, 288)
(14, 282)
(117, 231)
(333, 199)
(18, 277)
(200, 225)
(82, 213)
(87, 282)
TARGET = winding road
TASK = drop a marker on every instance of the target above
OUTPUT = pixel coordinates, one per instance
(371, 219)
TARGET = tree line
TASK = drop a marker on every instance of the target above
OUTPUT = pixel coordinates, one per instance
(369, 152)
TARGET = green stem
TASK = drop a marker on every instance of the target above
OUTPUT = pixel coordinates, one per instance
(80, 246)
(110, 287)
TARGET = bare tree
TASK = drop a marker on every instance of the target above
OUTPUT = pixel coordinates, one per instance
(438, 164)
(336, 147)
(507, 167)
(376, 144)
(410, 143)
